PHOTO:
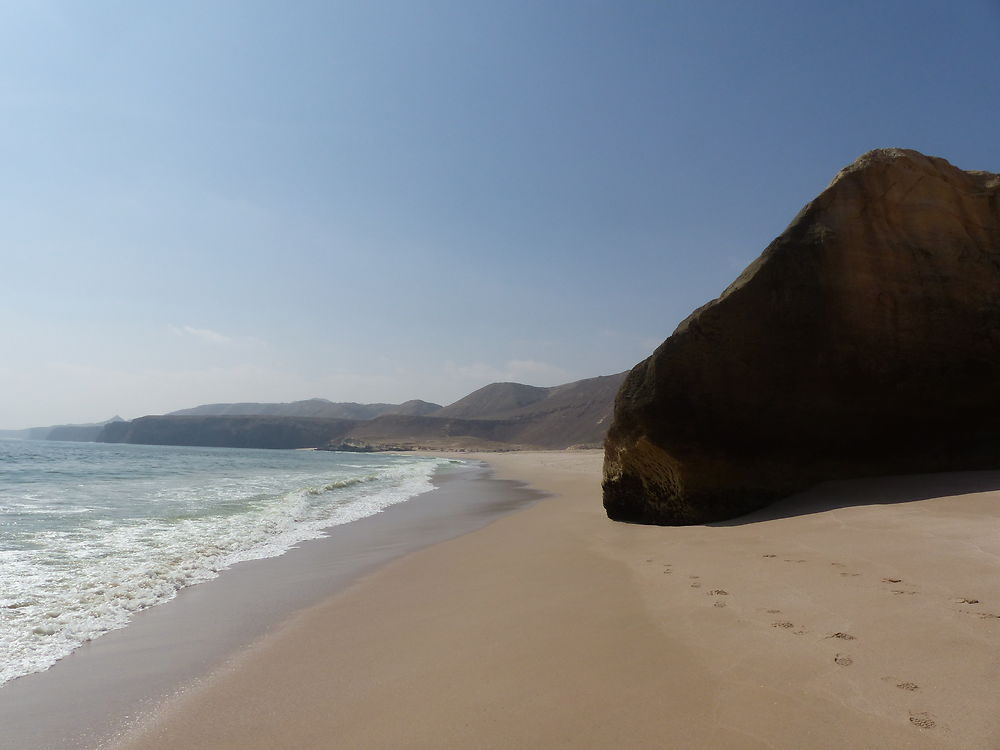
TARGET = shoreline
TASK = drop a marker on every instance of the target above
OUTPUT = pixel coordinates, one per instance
(858, 614)
(91, 695)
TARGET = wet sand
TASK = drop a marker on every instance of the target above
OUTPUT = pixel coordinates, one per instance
(859, 614)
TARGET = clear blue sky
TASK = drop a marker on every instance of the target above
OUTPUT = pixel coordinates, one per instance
(377, 201)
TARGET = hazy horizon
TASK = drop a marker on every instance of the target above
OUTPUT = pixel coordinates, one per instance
(384, 201)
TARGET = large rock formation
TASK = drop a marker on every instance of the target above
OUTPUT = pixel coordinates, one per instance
(865, 340)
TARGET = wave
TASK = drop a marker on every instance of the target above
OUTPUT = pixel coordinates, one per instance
(84, 579)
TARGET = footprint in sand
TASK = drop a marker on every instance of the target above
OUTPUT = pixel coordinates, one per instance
(852, 575)
(842, 636)
(902, 685)
(923, 720)
(843, 660)
(980, 615)
(718, 592)
(965, 600)
(897, 592)
(773, 611)
(696, 585)
(768, 555)
(785, 625)
(694, 576)
(838, 565)
(796, 561)
(892, 580)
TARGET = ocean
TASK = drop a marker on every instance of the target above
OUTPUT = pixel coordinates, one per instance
(92, 533)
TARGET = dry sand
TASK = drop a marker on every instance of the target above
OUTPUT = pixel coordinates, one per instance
(859, 615)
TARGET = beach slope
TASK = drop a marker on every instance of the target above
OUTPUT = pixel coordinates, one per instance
(860, 614)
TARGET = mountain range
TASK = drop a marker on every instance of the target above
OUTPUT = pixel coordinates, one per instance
(499, 416)
(313, 407)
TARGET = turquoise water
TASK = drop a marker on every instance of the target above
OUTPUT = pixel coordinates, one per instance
(91, 533)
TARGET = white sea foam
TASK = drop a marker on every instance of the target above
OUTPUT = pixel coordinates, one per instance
(70, 580)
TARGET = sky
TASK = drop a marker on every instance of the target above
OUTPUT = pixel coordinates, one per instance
(377, 201)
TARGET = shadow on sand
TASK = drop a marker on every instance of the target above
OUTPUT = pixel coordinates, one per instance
(871, 491)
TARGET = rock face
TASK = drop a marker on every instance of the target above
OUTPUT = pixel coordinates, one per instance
(865, 340)
(237, 431)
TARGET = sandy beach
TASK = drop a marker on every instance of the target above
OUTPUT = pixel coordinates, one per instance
(111, 682)
(859, 614)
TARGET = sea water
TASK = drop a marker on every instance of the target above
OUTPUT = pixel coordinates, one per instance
(92, 533)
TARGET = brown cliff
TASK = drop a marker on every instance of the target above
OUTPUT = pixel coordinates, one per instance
(865, 340)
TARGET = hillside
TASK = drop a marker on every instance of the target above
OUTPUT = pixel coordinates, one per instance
(508, 415)
(494, 401)
(499, 416)
(313, 407)
(400, 432)
(238, 431)
(414, 407)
